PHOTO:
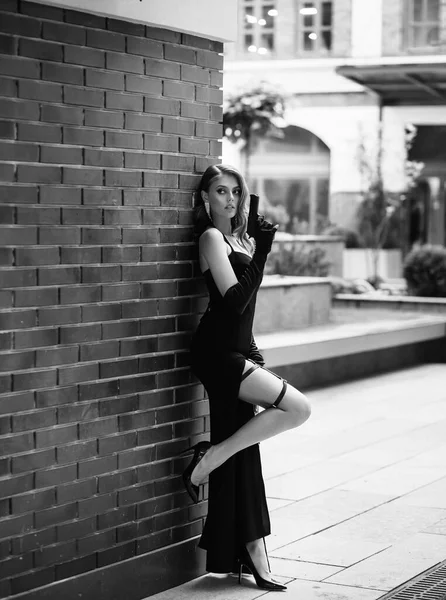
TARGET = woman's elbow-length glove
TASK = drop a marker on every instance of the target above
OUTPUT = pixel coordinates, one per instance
(238, 296)
(254, 353)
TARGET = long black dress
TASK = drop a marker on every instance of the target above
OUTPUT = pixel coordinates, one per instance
(237, 508)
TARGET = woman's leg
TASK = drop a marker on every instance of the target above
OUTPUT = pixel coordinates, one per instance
(260, 388)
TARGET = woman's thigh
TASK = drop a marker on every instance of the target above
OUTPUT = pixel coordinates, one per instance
(263, 388)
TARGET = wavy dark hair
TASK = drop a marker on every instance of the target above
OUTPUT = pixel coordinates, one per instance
(239, 222)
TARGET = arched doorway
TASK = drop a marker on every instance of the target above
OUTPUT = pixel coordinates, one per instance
(292, 175)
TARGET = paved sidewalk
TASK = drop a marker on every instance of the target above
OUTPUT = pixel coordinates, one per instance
(357, 495)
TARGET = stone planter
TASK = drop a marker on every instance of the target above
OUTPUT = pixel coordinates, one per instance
(358, 263)
(287, 303)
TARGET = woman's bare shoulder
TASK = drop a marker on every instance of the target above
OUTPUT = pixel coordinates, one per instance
(211, 238)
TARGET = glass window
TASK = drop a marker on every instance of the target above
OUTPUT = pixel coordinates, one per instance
(315, 25)
(259, 23)
(423, 23)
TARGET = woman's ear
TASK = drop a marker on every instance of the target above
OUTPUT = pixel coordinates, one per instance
(204, 196)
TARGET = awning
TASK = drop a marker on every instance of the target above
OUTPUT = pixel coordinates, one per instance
(401, 84)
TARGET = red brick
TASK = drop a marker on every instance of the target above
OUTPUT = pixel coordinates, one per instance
(84, 56)
(211, 60)
(142, 122)
(122, 216)
(82, 176)
(124, 62)
(178, 126)
(8, 86)
(17, 525)
(59, 553)
(61, 275)
(41, 50)
(42, 11)
(105, 40)
(123, 139)
(176, 89)
(77, 490)
(18, 194)
(85, 19)
(8, 44)
(20, 25)
(104, 158)
(64, 236)
(17, 235)
(162, 106)
(39, 133)
(176, 198)
(104, 79)
(14, 361)
(82, 216)
(201, 163)
(7, 130)
(143, 85)
(6, 172)
(56, 515)
(98, 466)
(195, 74)
(60, 195)
(166, 35)
(38, 459)
(106, 196)
(39, 90)
(104, 118)
(161, 68)
(78, 451)
(61, 32)
(101, 274)
(126, 27)
(162, 143)
(194, 146)
(80, 294)
(12, 65)
(101, 236)
(139, 272)
(179, 54)
(69, 115)
(62, 73)
(56, 356)
(79, 333)
(141, 160)
(56, 476)
(209, 130)
(217, 79)
(19, 152)
(80, 255)
(61, 155)
(124, 101)
(36, 338)
(178, 163)
(216, 113)
(17, 277)
(160, 180)
(215, 148)
(13, 403)
(121, 254)
(140, 236)
(83, 97)
(198, 42)
(119, 292)
(141, 198)
(211, 95)
(36, 297)
(83, 136)
(38, 174)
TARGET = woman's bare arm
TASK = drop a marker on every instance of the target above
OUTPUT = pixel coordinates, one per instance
(213, 248)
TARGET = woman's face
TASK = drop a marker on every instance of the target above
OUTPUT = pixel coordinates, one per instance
(223, 196)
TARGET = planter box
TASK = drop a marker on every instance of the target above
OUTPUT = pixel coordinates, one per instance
(287, 303)
(399, 303)
(358, 263)
(333, 247)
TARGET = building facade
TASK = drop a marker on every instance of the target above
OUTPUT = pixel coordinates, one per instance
(109, 113)
(355, 74)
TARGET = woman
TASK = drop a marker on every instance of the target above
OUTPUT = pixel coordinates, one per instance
(228, 363)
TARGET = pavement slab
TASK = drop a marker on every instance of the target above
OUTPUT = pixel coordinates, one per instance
(357, 495)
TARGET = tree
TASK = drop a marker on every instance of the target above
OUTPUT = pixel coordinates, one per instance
(252, 114)
(379, 214)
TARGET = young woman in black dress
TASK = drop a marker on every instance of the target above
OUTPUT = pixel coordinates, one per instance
(226, 360)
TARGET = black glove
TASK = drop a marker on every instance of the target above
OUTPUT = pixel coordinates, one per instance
(254, 353)
(239, 295)
(264, 235)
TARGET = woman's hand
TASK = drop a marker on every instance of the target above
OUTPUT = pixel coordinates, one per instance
(264, 235)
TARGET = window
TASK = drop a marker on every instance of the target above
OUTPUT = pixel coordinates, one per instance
(259, 19)
(315, 20)
(423, 23)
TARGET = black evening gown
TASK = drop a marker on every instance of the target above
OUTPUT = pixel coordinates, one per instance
(237, 508)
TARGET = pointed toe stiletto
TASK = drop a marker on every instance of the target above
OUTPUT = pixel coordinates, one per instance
(245, 560)
(199, 451)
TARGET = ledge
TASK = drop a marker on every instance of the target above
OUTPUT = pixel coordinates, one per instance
(270, 281)
(334, 340)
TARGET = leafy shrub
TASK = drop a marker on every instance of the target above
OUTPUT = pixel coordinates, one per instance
(301, 262)
(350, 237)
(425, 271)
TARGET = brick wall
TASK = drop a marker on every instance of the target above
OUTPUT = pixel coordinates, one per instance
(105, 127)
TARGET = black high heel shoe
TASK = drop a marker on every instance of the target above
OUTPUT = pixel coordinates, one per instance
(245, 560)
(199, 451)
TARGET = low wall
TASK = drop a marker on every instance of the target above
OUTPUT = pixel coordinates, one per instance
(358, 263)
(333, 247)
(402, 303)
(287, 303)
